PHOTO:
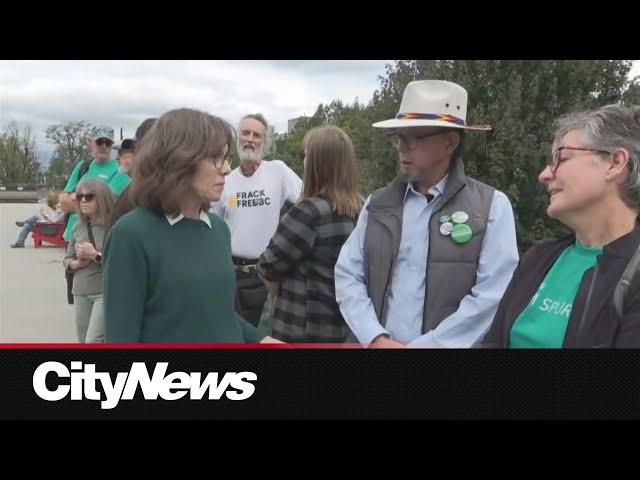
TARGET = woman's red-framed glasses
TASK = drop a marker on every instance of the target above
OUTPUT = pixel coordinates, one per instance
(556, 157)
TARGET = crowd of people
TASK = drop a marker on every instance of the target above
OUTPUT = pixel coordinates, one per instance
(170, 244)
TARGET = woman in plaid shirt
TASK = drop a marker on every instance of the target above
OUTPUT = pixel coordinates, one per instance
(298, 264)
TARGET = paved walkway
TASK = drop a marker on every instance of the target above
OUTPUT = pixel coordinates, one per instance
(33, 300)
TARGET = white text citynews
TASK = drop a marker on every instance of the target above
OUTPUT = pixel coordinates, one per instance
(175, 385)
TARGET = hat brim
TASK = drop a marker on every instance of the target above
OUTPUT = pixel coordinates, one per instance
(395, 123)
(118, 146)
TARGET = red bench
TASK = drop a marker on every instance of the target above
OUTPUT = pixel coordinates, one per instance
(50, 232)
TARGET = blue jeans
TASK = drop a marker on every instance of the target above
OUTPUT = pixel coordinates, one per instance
(29, 226)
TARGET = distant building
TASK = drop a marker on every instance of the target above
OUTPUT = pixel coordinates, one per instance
(291, 125)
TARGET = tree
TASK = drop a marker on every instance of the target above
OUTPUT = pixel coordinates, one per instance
(355, 120)
(71, 141)
(521, 100)
(632, 95)
(18, 155)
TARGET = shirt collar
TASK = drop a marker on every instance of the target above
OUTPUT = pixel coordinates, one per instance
(437, 190)
(203, 216)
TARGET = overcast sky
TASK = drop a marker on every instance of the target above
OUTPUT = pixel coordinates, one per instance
(122, 93)
(125, 92)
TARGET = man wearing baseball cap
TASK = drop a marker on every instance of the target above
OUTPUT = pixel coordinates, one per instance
(125, 154)
(127, 147)
(99, 166)
(434, 251)
(125, 204)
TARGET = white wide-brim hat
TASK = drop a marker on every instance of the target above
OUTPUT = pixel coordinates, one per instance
(432, 103)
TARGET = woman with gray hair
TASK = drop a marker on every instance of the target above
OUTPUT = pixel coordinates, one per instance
(84, 258)
(561, 294)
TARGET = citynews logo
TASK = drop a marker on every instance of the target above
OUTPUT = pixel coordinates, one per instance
(176, 385)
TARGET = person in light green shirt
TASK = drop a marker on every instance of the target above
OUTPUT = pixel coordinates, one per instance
(102, 167)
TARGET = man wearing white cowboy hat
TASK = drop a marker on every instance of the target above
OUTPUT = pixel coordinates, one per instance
(434, 250)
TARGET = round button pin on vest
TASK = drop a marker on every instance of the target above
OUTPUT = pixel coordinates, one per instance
(461, 233)
(459, 217)
(446, 228)
(445, 218)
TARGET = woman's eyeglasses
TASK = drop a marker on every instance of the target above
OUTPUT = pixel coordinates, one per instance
(220, 160)
(87, 196)
(556, 157)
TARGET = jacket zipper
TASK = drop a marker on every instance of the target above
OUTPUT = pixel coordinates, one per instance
(587, 304)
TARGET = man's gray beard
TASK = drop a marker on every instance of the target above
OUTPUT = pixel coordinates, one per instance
(411, 176)
(250, 155)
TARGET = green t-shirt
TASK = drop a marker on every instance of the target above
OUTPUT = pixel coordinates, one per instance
(543, 323)
(105, 171)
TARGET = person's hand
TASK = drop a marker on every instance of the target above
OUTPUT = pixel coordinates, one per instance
(269, 339)
(86, 251)
(79, 263)
(272, 287)
(384, 342)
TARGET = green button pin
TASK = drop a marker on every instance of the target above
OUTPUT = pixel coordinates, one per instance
(461, 233)
(459, 217)
(445, 218)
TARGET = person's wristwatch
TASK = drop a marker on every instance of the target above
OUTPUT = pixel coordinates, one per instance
(98, 258)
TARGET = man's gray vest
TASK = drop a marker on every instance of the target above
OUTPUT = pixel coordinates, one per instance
(451, 267)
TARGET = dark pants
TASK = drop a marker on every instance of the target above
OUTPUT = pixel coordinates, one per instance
(250, 296)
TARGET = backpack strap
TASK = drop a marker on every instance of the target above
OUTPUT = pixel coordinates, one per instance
(628, 285)
(83, 169)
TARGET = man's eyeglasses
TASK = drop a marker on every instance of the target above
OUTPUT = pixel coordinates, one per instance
(556, 157)
(410, 141)
(101, 142)
(87, 196)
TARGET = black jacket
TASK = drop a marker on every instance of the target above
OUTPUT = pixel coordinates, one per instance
(124, 204)
(599, 326)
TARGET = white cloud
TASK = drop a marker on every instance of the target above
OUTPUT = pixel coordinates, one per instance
(123, 93)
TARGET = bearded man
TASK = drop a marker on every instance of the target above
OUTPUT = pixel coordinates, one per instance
(254, 195)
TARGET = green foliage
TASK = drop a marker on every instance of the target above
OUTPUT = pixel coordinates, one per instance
(72, 145)
(520, 99)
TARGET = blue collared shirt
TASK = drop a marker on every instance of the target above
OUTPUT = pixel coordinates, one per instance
(498, 259)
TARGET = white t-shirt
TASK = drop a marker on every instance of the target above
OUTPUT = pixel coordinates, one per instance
(251, 205)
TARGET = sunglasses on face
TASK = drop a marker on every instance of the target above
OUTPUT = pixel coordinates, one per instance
(86, 196)
(102, 142)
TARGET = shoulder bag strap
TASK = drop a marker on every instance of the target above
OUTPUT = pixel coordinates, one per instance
(91, 235)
